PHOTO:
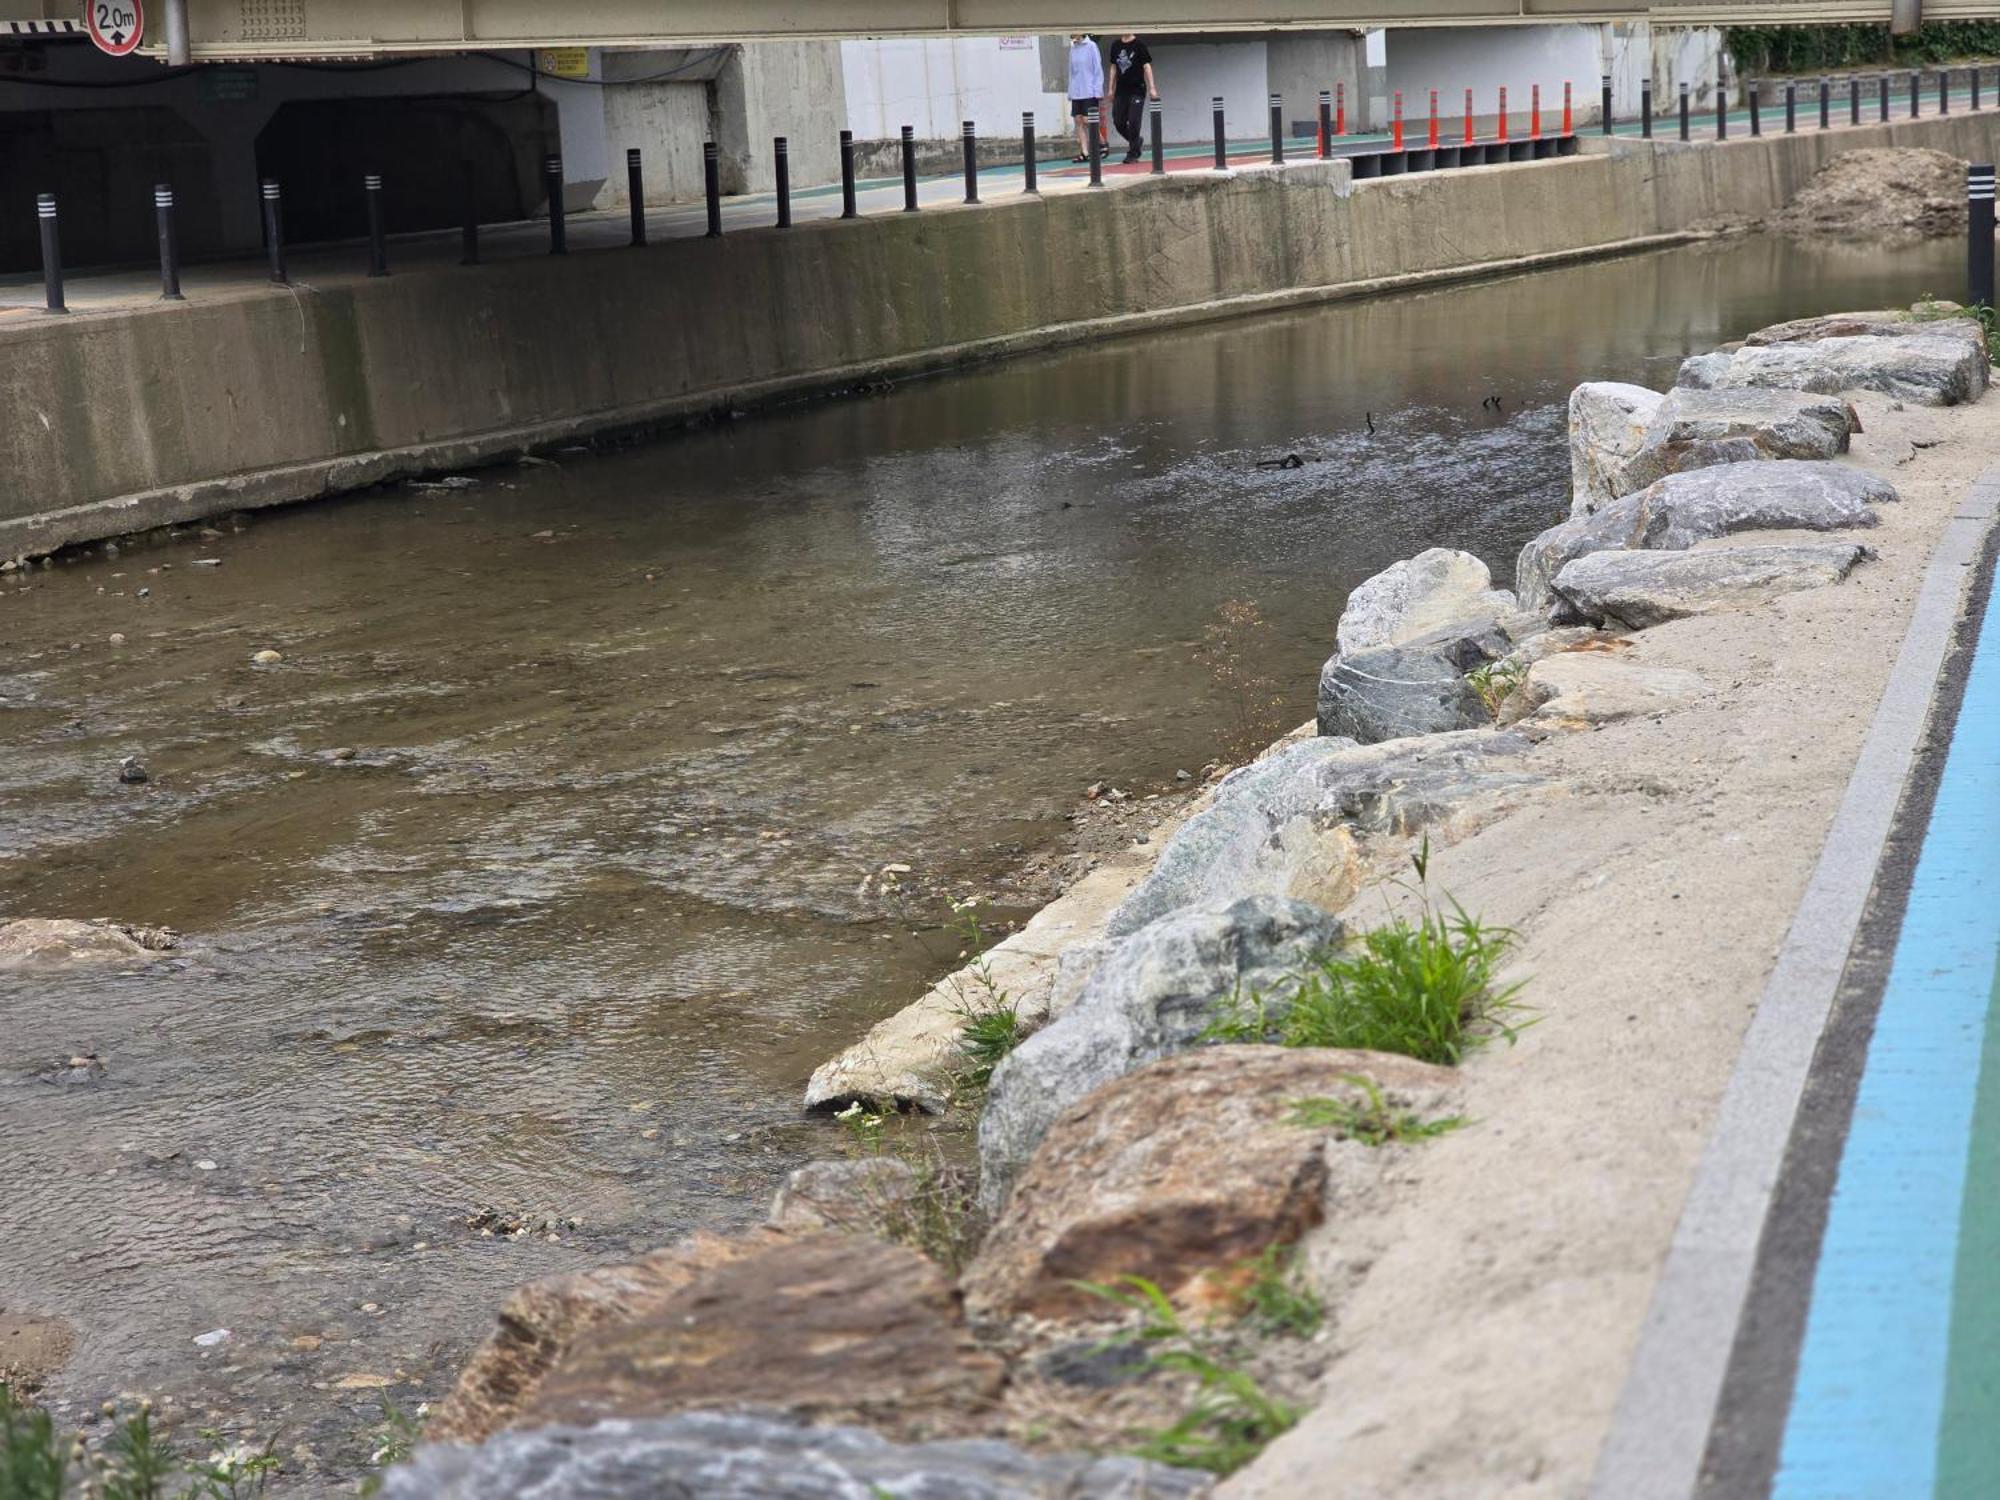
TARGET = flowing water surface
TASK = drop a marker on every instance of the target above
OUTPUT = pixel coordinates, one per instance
(562, 939)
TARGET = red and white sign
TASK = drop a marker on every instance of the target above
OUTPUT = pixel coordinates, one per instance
(115, 25)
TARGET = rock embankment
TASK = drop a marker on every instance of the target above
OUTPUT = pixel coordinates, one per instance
(1124, 1139)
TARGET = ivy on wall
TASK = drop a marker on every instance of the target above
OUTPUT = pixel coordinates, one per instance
(1813, 49)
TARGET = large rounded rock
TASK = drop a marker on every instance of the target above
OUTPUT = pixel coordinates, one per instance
(1415, 687)
(50, 943)
(1634, 590)
(1177, 1172)
(1607, 427)
(750, 1456)
(1255, 838)
(1417, 597)
(1695, 429)
(1682, 509)
(1152, 995)
(1935, 364)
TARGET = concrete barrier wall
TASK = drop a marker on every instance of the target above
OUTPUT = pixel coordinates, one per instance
(124, 420)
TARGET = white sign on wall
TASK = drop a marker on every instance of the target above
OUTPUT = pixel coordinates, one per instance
(1017, 44)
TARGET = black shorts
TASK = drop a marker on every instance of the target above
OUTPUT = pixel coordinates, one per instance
(1078, 108)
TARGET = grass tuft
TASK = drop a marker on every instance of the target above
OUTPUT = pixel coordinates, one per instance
(1276, 1299)
(1232, 1418)
(1371, 1119)
(1494, 681)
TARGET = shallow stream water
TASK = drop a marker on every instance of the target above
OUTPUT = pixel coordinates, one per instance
(564, 937)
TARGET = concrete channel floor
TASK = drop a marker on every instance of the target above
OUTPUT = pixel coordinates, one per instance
(102, 289)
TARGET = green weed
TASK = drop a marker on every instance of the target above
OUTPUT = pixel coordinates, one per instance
(1494, 681)
(1929, 310)
(989, 1022)
(1371, 1119)
(1277, 1301)
(34, 1461)
(1425, 987)
(938, 1216)
(395, 1439)
(1232, 1418)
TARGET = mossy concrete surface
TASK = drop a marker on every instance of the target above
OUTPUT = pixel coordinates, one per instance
(136, 417)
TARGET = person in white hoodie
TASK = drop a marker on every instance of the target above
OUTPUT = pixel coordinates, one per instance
(1086, 90)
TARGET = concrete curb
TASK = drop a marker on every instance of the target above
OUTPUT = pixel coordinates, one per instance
(1660, 1427)
(38, 535)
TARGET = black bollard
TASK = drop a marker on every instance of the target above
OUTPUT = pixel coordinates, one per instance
(274, 229)
(170, 245)
(847, 208)
(1684, 111)
(1095, 121)
(711, 187)
(1825, 103)
(1028, 151)
(378, 238)
(970, 140)
(909, 136)
(52, 277)
(468, 232)
(552, 182)
(1916, 92)
(1221, 144)
(1854, 99)
(1646, 108)
(1325, 123)
(1944, 91)
(1884, 90)
(1756, 122)
(1277, 130)
(781, 167)
(1791, 108)
(635, 193)
(1979, 235)
(1604, 102)
(1721, 113)
(1156, 130)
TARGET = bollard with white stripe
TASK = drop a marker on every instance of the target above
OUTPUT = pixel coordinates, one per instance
(1028, 151)
(170, 245)
(52, 275)
(1325, 123)
(1684, 111)
(1221, 141)
(908, 139)
(781, 153)
(274, 229)
(1277, 129)
(848, 210)
(635, 193)
(1604, 101)
(1095, 119)
(1979, 235)
(711, 187)
(552, 182)
(378, 239)
(969, 138)
(1646, 108)
(1156, 130)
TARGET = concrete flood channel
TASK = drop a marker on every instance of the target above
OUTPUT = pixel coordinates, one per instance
(533, 978)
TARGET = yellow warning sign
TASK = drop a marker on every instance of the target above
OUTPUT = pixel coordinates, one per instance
(563, 62)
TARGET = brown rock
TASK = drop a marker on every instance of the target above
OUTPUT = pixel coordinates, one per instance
(830, 1327)
(860, 1196)
(1176, 1172)
(541, 1318)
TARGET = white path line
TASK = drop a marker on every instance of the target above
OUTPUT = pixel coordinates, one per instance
(1660, 1428)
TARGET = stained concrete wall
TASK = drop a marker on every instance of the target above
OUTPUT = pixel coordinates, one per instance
(128, 419)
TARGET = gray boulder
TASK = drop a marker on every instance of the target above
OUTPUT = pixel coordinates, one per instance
(1151, 996)
(1238, 844)
(1936, 366)
(1697, 429)
(1607, 428)
(1416, 687)
(1449, 782)
(1417, 597)
(1676, 512)
(1639, 589)
(708, 1455)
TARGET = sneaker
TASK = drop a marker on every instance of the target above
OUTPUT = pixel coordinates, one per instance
(1130, 157)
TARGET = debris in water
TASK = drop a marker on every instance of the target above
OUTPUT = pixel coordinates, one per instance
(267, 657)
(132, 770)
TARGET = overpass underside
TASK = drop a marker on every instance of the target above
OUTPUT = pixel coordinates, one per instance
(254, 29)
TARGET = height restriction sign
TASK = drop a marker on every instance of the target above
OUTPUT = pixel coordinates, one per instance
(115, 25)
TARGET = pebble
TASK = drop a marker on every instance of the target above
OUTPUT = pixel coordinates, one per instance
(145, 593)
(206, 562)
(131, 771)
(204, 1165)
(1183, 776)
(344, 753)
(267, 657)
(117, 637)
(213, 1337)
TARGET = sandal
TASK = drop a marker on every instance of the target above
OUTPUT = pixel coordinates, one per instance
(1078, 161)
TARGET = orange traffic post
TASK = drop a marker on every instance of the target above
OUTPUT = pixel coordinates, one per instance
(1397, 143)
(1468, 117)
(1434, 119)
(1568, 126)
(1503, 113)
(1535, 112)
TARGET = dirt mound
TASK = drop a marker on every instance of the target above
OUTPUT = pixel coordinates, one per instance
(1901, 194)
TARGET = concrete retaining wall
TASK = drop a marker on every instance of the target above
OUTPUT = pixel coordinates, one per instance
(119, 421)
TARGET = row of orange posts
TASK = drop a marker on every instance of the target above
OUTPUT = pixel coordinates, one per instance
(1396, 122)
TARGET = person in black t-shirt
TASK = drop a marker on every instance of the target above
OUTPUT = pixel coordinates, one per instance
(1132, 61)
